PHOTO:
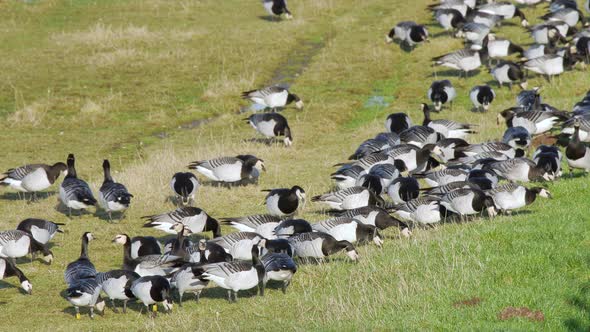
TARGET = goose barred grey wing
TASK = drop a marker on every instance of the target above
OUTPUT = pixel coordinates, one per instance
(404, 148)
(369, 147)
(78, 270)
(385, 171)
(11, 235)
(370, 160)
(455, 57)
(20, 172)
(278, 261)
(215, 163)
(227, 241)
(172, 217)
(412, 205)
(326, 225)
(507, 187)
(340, 195)
(77, 190)
(264, 92)
(115, 192)
(450, 124)
(441, 190)
(254, 221)
(225, 269)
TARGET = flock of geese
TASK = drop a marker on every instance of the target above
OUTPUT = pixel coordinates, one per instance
(380, 186)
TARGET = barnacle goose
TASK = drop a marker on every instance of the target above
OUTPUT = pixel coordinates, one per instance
(350, 198)
(546, 34)
(379, 178)
(281, 246)
(263, 224)
(517, 137)
(207, 252)
(276, 8)
(41, 230)
(449, 19)
(441, 92)
(189, 279)
(505, 9)
(112, 196)
(320, 245)
(8, 269)
(353, 231)
(447, 128)
(408, 32)
(16, 243)
(238, 244)
(535, 122)
(511, 196)
(577, 153)
(442, 177)
(185, 186)
(289, 227)
(397, 122)
(273, 97)
(418, 136)
(152, 290)
(85, 293)
(194, 218)
(140, 245)
(519, 169)
(230, 169)
(82, 268)
(278, 267)
(381, 142)
(474, 33)
(347, 176)
(284, 201)
(421, 210)
(468, 201)
(378, 217)
(116, 284)
(448, 148)
(75, 193)
(32, 178)
(571, 16)
(509, 72)
(271, 125)
(236, 276)
(482, 96)
(464, 60)
(403, 189)
(154, 264)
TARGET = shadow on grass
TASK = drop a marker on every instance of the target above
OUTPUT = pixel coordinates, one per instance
(20, 196)
(580, 301)
(270, 18)
(265, 141)
(454, 73)
(75, 214)
(220, 184)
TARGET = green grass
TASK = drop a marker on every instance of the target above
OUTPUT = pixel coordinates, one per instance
(151, 66)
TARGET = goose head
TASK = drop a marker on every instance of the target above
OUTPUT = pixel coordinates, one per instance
(27, 287)
(121, 239)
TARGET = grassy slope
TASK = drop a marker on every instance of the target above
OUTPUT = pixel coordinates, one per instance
(536, 259)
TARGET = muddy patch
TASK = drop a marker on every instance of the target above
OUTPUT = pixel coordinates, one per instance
(524, 312)
(186, 126)
(298, 60)
(472, 302)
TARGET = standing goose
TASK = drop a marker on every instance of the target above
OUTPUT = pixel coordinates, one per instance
(447, 128)
(32, 178)
(468, 201)
(449, 19)
(482, 96)
(16, 243)
(372, 215)
(511, 196)
(548, 65)
(397, 122)
(276, 8)
(236, 276)
(441, 92)
(273, 97)
(75, 193)
(342, 228)
(320, 245)
(509, 72)
(505, 9)
(193, 218)
(230, 169)
(350, 198)
(271, 125)
(419, 136)
(499, 47)
(577, 153)
(535, 122)
(278, 267)
(85, 293)
(8, 269)
(408, 32)
(116, 284)
(238, 244)
(189, 279)
(474, 34)
(41, 230)
(464, 60)
(82, 268)
(112, 196)
(152, 290)
(140, 245)
(422, 210)
(289, 227)
(403, 189)
(347, 176)
(185, 186)
(283, 201)
(207, 252)
(263, 224)
(154, 264)
(519, 169)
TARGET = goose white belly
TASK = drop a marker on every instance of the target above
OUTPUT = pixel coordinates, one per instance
(185, 282)
(583, 163)
(393, 192)
(445, 21)
(344, 232)
(268, 6)
(14, 184)
(15, 249)
(272, 204)
(135, 246)
(41, 234)
(498, 48)
(142, 292)
(36, 181)
(2, 268)
(470, 63)
(229, 172)
(441, 129)
(410, 158)
(462, 205)
(426, 214)
(501, 74)
(457, 133)
(309, 248)
(276, 99)
(195, 223)
(525, 123)
(545, 125)
(207, 172)
(540, 36)
(83, 301)
(115, 288)
(243, 280)
(242, 250)
(280, 275)
(266, 128)
(267, 230)
(519, 173)
(355, 201)
(510, 201)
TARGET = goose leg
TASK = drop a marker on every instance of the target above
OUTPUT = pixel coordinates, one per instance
(91, 312)
(235, 297)
(197, 296)
(124, 306)
(229, 296)
(285, 285)
(261, 286)
(110, 216)
(77, 312)
(114, 306)
(69, 212)
(179, 299)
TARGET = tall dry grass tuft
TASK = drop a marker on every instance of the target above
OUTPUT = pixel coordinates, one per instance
(30, 115)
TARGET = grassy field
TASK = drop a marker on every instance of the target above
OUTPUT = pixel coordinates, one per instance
(129, 80)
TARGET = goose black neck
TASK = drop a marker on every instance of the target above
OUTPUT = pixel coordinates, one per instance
(427, 119)
(71, 167)
(106, 166)
(84, 250)
(213, 225)
(127, 251)
(530, 196)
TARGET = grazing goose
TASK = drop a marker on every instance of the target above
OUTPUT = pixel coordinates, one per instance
(529, 100)
(577, 153)
(397, 122)
(207, 252)
(478, 159)
(505, 9)
(185, 186)
(403, 189)
(189, 279)
(271, 125)
(474, 33)
(112, 196)
(82, 268)
(75, 193)
(448, 148)
(273, 97)
(408, 32)
(481, 97)
(276, 8)
(193, 218)
(154, 264)
(548, 65)
(378, 217)
(494, 146)
(116, 284)
(85, 293)
(464, 60)
(570, 16)
(342, 228)
(449, 19)
(32, 178)
(538, 50)
(230, 169)
(381, 142)
(8, 269)
(546, 34)
(418, 136)
(549, 158)
(447, 128)
(278, 267)
(421, 210)
(152, 290)
(519, 169)
(140, 245)
(535, 122)
(236, 276)
(442, 177)
(511, 196)
(289, 227)
(16, 243)
(447, 188)
(441, 92)
(283, 201)
(468, 201)
(238, 244)
(499, 47)
(350, 198)
(379, 178)
(281, 246)
(320, 245)
(517, 137)
(41, 230)
(509, 72)
(263, 224)
(347, 176)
